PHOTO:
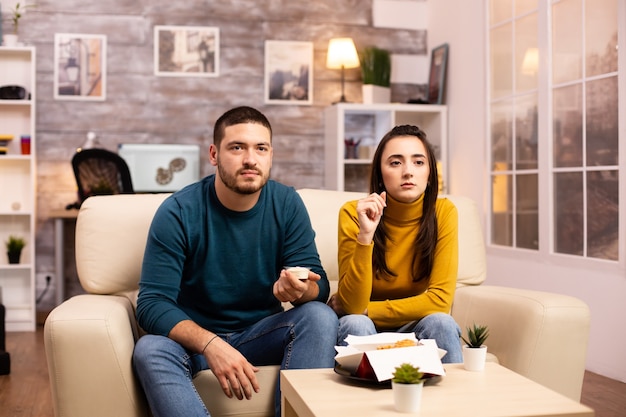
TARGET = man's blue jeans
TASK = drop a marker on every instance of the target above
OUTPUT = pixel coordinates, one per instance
(299, 338)
(438, 326)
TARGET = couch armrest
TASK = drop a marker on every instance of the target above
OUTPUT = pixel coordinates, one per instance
(89, 341)
(540, 335)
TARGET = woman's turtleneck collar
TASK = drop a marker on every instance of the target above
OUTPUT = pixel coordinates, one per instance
(398, 212)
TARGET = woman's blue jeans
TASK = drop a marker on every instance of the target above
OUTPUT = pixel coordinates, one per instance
(299, 338)
(438, 326)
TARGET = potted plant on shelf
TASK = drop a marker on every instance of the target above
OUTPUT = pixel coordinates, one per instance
(407, 384)
(376, 72)
(16, 13)
(475, 350)
(14, 249)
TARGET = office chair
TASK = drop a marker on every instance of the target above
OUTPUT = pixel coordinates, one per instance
(100, 172)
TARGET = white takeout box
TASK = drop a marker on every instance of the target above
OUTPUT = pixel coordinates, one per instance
(427, 356)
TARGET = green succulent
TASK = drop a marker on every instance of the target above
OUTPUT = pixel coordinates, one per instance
(15, 244)
(375, 66)
(476, 336)
(407, 374)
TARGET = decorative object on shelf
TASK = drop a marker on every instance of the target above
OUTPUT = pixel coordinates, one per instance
(341, 55)
(352, 146)
(14, 249)
(12, 92)
(16, 13)
(80, 66)
(4, 143)
(186, 51)
(475, 351)
(288, 72)
(376, 72)
(407, 385)
(437, 76)
(25, 144)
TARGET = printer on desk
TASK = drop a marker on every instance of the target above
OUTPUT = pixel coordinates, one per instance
(161, 168)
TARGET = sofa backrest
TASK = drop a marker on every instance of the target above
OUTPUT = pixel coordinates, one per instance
(111, 234)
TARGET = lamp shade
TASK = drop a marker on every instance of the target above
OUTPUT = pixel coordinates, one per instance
(342, 54)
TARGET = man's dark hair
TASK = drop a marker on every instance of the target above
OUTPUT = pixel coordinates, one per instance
(236, 116)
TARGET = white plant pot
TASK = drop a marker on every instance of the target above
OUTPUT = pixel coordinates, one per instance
(9, 39)
(407, 398)
(375, 94)
(474, 358)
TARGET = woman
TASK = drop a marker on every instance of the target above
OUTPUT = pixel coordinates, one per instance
(398, 249)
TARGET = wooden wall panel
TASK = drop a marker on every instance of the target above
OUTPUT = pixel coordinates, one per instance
(143, 108)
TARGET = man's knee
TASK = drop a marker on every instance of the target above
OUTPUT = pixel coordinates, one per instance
(322, 314)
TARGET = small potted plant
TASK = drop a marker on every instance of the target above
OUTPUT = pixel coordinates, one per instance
(376, 73)
(407, 384)
(475, 350)
(14, 249)
(16, 13)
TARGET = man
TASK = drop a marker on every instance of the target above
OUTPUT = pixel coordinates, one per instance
(213, 279)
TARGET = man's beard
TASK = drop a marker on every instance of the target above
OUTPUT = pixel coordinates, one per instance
(248, 187)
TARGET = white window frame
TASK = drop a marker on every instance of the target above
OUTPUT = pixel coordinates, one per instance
(545, 253)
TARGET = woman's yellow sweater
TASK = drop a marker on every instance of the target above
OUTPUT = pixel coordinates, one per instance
(394, 302)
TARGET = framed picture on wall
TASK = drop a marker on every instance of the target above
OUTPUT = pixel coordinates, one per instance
(437, 76)
(79, 66)
(186, 51)
(288, 72)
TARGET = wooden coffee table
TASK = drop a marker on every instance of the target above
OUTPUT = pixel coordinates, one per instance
(495, 392)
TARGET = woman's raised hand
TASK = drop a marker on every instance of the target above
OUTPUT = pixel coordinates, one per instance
(370, 210)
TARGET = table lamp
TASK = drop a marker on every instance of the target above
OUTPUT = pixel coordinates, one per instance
(341, 55)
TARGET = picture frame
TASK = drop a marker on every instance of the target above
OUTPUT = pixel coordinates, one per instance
(186, 51)
(80, 66)
(288, 72)
(437, 75)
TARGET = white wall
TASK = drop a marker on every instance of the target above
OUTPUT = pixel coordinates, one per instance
(461, 23)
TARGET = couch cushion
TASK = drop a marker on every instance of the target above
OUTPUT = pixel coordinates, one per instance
(111, 233)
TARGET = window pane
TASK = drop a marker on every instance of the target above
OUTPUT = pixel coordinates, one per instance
(568, 126)
(568, 213)
(526, 133)
(524, 6)
(602, 215)
(526, 54)
(602, 122)
(500, 10)
(600, 37)
(567, 41)
(502, 211)
(501, 62)
(527, 217)
(501, 135)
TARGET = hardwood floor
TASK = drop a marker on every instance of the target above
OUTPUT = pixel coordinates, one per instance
(26, 393)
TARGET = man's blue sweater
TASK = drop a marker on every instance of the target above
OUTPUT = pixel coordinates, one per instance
(216, 266)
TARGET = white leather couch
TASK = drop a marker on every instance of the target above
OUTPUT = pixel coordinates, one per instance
(89, 338)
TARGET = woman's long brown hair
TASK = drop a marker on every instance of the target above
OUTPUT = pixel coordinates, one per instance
(426, 239)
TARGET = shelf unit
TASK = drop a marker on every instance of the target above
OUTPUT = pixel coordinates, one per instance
(17, 188)
(367, 124)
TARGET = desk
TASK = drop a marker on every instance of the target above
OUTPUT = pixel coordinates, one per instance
(59, 217)
(495, 392)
